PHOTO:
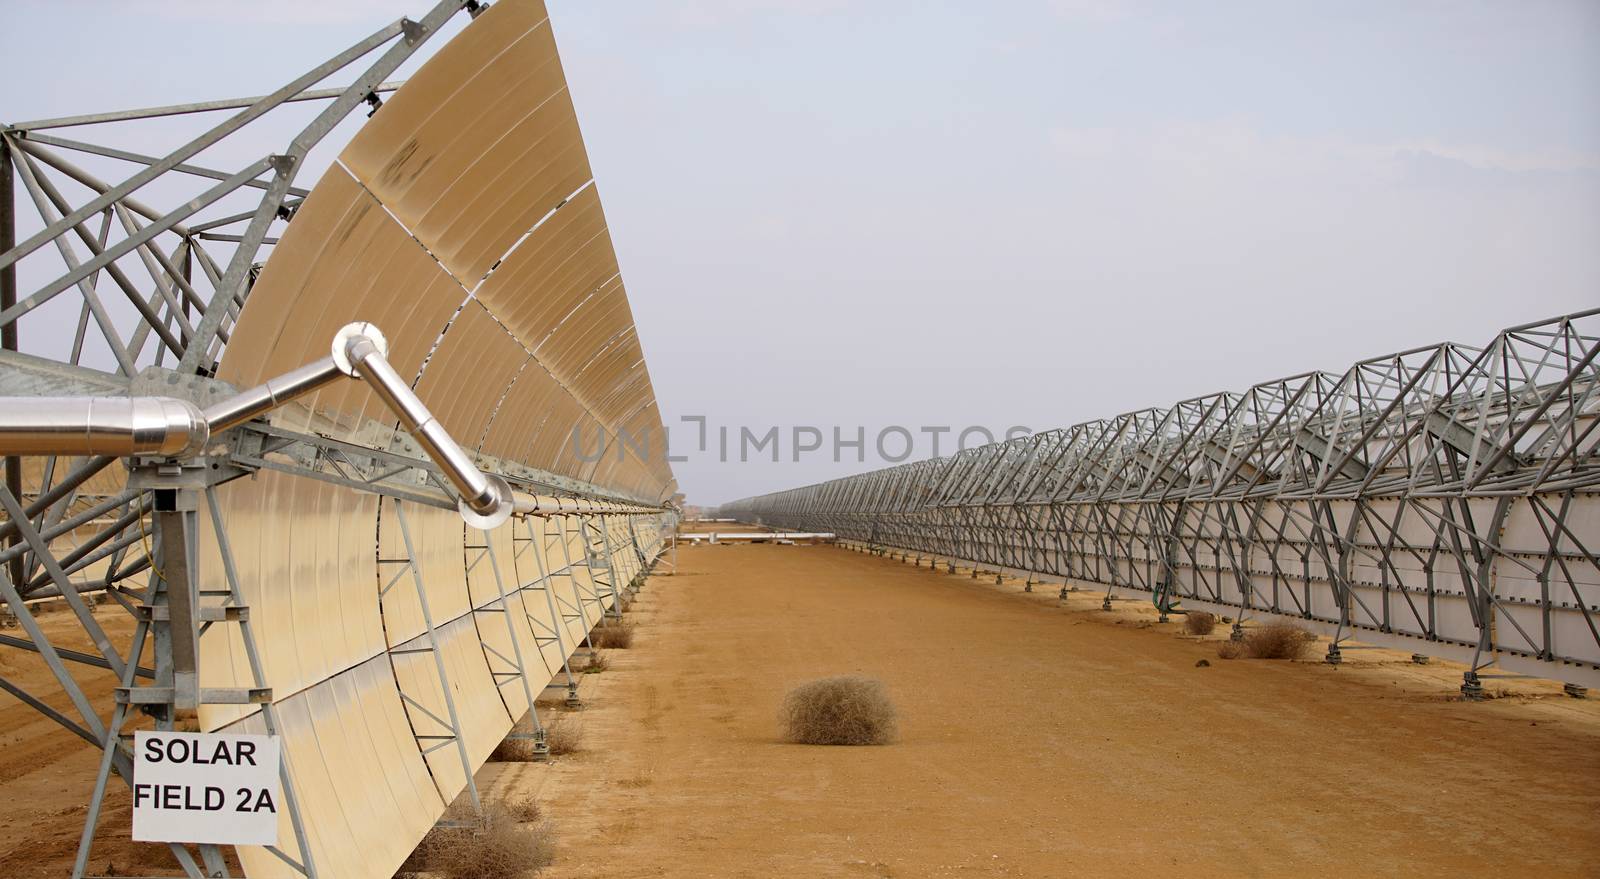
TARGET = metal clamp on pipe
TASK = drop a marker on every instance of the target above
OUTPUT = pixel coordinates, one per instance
(359, 350)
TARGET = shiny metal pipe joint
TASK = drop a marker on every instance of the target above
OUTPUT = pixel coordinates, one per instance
(359, 350)
(275, 392)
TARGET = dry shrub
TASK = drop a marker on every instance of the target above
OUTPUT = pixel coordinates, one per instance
(499, 843)
(1199, 622)
(595, 663)
(618, 636)
(525, 810)
(562, 736)
(1272, 641)
(1278, 641)
(513, 750)
(844, 710)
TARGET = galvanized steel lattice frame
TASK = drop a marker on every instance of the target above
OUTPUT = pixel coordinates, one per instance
(1441, 499)
(186, 271)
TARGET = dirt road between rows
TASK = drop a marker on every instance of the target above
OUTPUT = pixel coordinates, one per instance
(1039, 739)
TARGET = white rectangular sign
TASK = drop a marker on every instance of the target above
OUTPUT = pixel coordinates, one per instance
(206, 787)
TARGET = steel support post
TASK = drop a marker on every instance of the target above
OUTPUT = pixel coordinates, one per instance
(438, 658)
(307, 865)
(610, 565)
(558, 620)
(577, 588)
(8, 331)
(179, 635)
(109, 748)
(516, 645)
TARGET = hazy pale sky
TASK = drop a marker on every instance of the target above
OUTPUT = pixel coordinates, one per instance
(1011, 213)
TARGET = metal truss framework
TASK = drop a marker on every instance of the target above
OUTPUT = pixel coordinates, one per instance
(1441, 500)
(159, 291)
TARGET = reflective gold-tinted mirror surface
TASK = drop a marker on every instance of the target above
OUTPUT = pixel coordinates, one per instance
(462, 220)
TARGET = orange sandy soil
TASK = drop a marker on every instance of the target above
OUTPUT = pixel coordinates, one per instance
(1039, 739)
(47, 774)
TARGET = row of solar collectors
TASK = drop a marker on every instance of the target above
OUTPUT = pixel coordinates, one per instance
(342, 637)
(463, 222)
(1399, 571)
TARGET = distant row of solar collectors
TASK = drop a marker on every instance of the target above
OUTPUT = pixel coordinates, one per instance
(516, 339)
(1444, 499)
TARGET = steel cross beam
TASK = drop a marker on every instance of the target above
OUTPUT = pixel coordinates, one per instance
(201, 321)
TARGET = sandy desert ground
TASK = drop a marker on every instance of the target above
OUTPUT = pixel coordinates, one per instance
(1038, 738)
(47, 774)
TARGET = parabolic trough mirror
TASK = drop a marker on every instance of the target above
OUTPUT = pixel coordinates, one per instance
(319, 440)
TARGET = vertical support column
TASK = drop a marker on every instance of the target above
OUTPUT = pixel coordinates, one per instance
(178, 637)
(581, 603)
(438, 658)
(639, 553)
(174, 523)
(8, 333)
(259, 677)
(539, 746)
(610, 563)
(108, 753)
(558, 619)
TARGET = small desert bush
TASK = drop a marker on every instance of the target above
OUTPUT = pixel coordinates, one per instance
(513, 750)
(525, 810)
(1272, 641)
(617, 636)
(595, 663)
(1198, 622)
(1279, 641)
(562, 736)
(844, 710)
(499, 843)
